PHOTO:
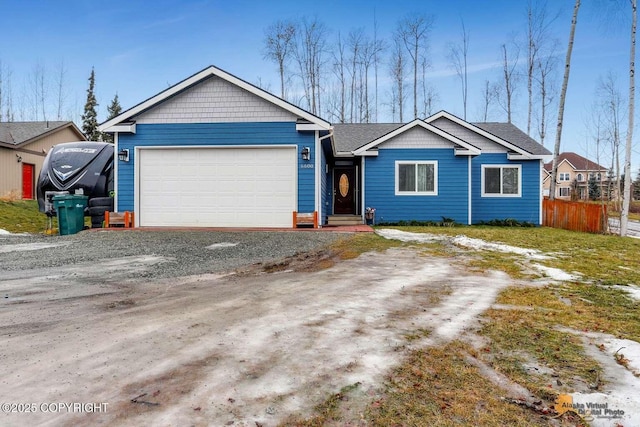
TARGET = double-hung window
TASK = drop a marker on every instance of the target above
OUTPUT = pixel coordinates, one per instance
(418, 178)
(501, 181)
(564, 176)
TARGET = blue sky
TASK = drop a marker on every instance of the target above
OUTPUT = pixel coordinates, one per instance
(139, 48)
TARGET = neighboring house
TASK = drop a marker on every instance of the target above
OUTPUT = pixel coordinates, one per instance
(214, 150)
(23, 147)
(573, 176)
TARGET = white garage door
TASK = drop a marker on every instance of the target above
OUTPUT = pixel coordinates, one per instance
(217, 187)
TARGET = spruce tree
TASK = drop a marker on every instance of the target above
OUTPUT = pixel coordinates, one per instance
(113, 110)
(594, 187)
(90, 116)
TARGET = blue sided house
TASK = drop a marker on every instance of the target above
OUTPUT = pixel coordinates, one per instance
(216, 151)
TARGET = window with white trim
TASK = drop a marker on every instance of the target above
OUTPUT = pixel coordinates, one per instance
(419, 178)
(580, 177)
(564, 176)
(564, 192)
(501, 181)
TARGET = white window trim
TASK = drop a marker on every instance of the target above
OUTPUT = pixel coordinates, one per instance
(417, 193)
(502, 166)
(565, 176)
(568, 191)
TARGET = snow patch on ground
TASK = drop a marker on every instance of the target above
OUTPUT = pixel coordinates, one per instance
(631, 290)
(618, 403)
(222, 245)
(555, 273)
(29, 246)
(465, 241)
(478, 244)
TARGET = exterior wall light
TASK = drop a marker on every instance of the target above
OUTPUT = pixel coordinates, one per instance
(18, 158)
(305, 153)
(123, 155)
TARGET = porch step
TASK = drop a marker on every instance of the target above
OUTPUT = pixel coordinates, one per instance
(344, 220)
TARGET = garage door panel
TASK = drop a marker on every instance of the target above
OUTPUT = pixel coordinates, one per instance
(221, 187)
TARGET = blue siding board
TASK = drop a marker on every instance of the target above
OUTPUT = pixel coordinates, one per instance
(524, 208)
(213, 134)
(452, 198)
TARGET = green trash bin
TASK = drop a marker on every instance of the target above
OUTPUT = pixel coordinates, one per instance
(70, 210)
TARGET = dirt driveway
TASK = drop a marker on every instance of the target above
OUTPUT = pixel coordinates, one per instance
(216, 349)
(164, 334)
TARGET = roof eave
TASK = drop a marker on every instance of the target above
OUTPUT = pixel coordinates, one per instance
(416, 122)
(196, 78)
(476, 129)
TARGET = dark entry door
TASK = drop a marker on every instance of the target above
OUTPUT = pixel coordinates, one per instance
(344, 190)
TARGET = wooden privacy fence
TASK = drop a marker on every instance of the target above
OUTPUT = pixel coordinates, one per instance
(575, 216)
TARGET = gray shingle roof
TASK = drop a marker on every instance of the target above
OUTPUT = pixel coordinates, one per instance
(15, 133)
(349, 136)
(510, 133)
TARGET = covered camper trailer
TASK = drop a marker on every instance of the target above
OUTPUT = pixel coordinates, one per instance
(73, 166)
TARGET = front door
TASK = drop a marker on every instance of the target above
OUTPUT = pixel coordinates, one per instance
(28, 171)
(344, 190)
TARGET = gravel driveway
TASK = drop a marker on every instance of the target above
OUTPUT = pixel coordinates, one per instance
(174, 253)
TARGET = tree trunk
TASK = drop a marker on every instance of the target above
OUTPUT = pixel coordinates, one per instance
(563, 95)
(626, 200)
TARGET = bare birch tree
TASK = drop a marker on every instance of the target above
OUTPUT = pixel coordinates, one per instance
(544, 71)
(309, 54)
(429, 95)
(457, 56)
(626, 198)
(413, 31)
(397, 72)
(510, 80)
(355, 46)
(279, 39)
(489, 95)
(61, 95)
(2, 91)
(37, 91)
(609, 100)
(538, 41)
(370, 50)
(563, 95)
(339, 71)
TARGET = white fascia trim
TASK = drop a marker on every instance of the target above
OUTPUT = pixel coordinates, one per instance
(346, 154)
(477, 130)
(470, 195)
(563, 161)
(122, 127)
(318, 165)
(207, 72)
(543, 157)
(463, 152)
(308, 127)
(370, 153)
(115, 171)
(411, 125)
(362, 190)
(541, 193)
